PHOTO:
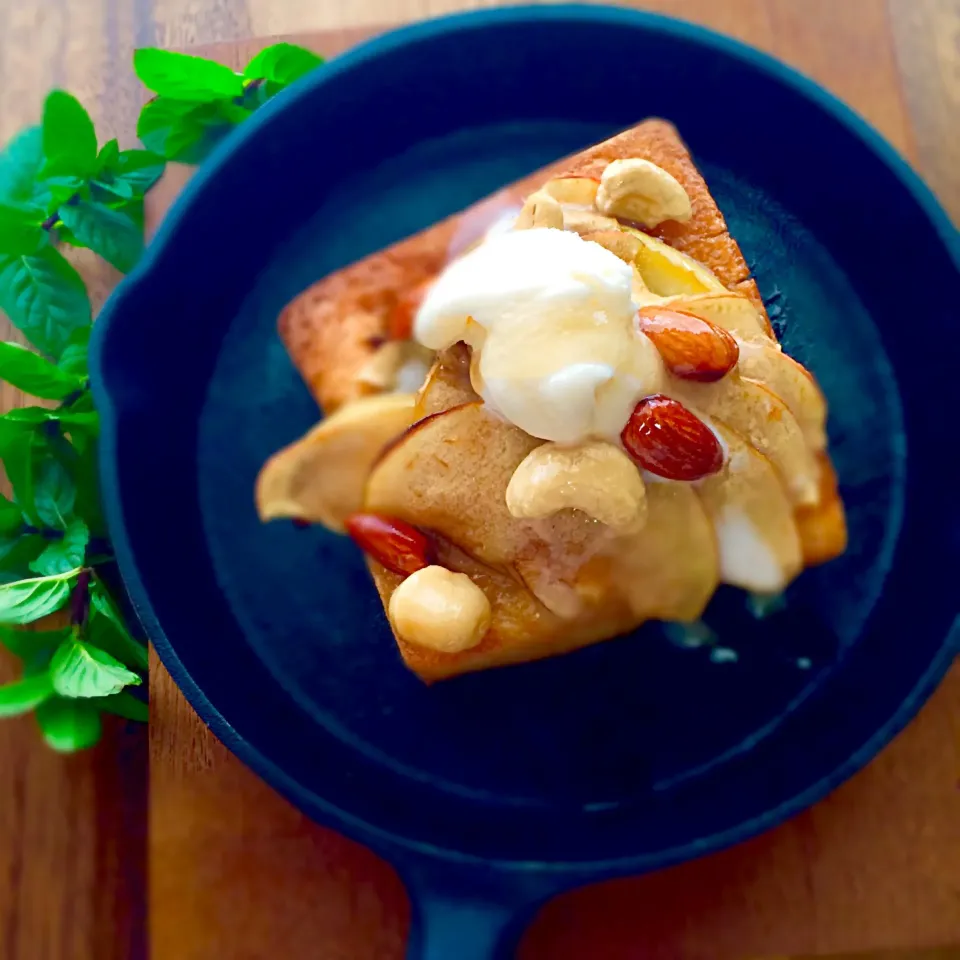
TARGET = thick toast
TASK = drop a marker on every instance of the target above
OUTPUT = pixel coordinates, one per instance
(334, 328)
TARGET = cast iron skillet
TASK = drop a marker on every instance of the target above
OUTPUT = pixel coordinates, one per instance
(492, 792)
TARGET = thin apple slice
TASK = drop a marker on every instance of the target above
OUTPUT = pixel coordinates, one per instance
(763, 420)
(669, 569)
(732, 311)
(781, 374)
(447, 384)
(449, 473)
(668, 272)
(320, 477)
(757, 538)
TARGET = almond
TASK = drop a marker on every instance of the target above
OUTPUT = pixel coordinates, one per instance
(691, 347)
(664, 437)
(400, 320)
(392, 542)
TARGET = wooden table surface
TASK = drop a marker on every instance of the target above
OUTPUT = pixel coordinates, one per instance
(235, 872)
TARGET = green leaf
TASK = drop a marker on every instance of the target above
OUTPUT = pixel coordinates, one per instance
(24, 695)
(71, 418)
(282, 63)
(124, 704)
(141, 169)
(69, 140)
(185, 77)
(80, 669)
(17, 552)
(20, 230)
(69, 725)
(11, 519)
(64, 554)
(35, 375)
(44, 297)
(107, 189)
(106, 232)
(20, 166)
(27, 600)
(109, 632)
(108, 156)
(33, 644)
(54, 495)
(187, 132)
(73, 359)
(19, 453)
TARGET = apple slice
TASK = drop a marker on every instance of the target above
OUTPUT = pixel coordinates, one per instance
(782, 375)
(668, 272)
(320, 477)
(447, 384)
(763, 420)
(669, 569)
(757, 539)
(449, 474)
(732, 311)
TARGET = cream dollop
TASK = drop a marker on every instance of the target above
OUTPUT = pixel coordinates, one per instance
(551, 319)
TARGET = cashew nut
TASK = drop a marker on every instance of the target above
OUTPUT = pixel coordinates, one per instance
(440, 609)
(639, 190)
(540, 210)
(595, 477)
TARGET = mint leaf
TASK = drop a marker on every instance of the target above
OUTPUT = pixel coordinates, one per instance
(35, 375)
(32, 645)
(186, 132)
(106, 232)
(69, 139)
(11, 519)
(185, 77)
(44, 297)
(20, 230)
(20, 166)
(17, 552)
(73, 359)
(64, 554)
(54, 494)
(282, 63)
(80, 669)
(27, 600)
(19, 452)
(108, 631)
(69, 725)
(108, 156)
(24, 695)
(124, 704)
(141, 169)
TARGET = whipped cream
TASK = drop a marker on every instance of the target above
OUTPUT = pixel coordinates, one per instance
(550, 319)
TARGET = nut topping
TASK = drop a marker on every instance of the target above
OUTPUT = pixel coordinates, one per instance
(664, 437)
(393, 543)
(692, 348)
(641, 191)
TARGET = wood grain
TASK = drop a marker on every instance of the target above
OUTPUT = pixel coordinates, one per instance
(235, 872)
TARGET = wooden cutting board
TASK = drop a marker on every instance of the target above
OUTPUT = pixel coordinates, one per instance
(237, 873)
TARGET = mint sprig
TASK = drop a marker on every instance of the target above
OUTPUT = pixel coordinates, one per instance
(198, 102)
(60, 188)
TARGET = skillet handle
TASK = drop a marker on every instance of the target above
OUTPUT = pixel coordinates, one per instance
(460, 916)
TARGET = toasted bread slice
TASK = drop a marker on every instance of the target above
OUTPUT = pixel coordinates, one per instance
(333, 329)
